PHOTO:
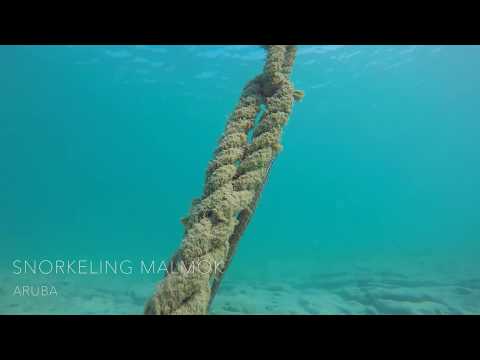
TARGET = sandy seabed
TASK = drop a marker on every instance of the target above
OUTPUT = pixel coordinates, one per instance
(358, 290)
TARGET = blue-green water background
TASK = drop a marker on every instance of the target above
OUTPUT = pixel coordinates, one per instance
(102, 149)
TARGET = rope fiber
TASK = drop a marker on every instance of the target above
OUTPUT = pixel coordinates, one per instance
(234, 181)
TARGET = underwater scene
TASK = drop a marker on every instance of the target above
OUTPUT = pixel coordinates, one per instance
(318, 179)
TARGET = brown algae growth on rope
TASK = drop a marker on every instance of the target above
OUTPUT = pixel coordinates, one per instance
(234, 180)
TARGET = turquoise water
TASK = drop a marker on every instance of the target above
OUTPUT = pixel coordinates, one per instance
(102, 149)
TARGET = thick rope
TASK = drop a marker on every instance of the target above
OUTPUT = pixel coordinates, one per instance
(246, 215)
(233, 184)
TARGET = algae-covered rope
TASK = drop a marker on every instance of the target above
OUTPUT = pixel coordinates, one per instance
(243, 221)
(233, 184)
(246, 215)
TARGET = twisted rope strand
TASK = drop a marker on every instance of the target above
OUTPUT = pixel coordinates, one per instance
(234, 180)
(267, 134)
